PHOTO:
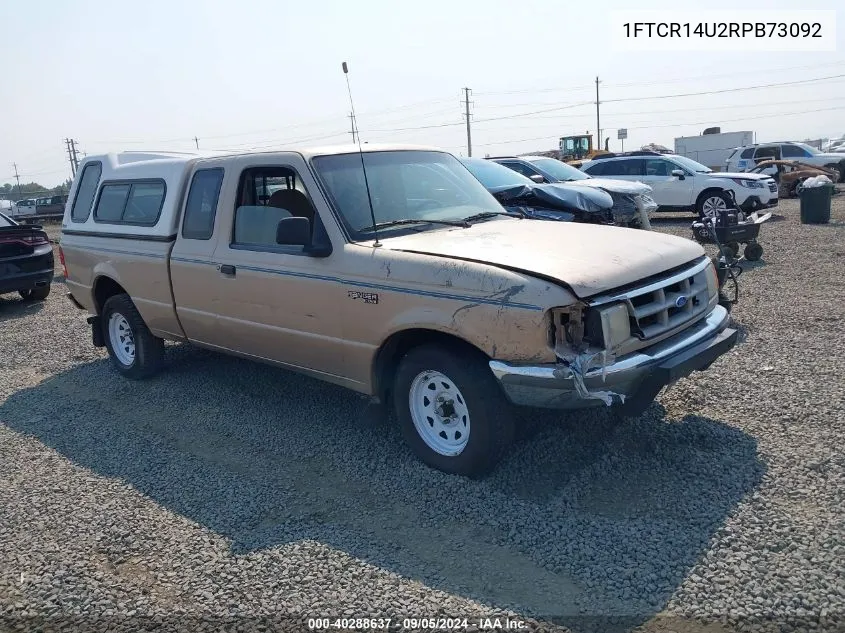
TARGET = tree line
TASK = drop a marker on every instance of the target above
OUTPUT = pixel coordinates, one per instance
(14, 193)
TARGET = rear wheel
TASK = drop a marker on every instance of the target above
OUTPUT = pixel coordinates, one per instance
(35, 294)
(133, 350)
(453, 415)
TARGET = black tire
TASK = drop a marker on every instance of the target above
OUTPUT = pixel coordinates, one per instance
(706, 195)
(148, 349)
(491, 427)
(753, 252)
(839, 167)
(35, 294)
(733, 247)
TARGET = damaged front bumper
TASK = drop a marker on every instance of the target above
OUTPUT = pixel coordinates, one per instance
(635, 379)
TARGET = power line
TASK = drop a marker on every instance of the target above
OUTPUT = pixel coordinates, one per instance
(646, 127)
(725, 90)
(698, 78)
(748, 118)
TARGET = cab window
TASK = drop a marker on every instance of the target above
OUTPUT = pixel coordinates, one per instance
(267, 195)
(201, 207)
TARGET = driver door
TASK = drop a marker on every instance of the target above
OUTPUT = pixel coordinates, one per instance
(669, 190)
(276, 302)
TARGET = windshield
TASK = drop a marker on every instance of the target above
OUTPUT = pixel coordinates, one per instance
(404, 185)
(558, 169)
(809, 148)
(691, 165)
(493, 175)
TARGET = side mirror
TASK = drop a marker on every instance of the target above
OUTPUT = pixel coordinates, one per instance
(679, 173)
(537, 178)
(294, 231)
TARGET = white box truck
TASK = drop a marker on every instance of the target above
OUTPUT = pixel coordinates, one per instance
(712, 149)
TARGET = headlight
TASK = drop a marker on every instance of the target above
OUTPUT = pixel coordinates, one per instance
(611, 323)
(751, 184)
(646, 202)
(712, 281)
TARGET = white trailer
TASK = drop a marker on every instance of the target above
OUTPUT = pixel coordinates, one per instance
(712, 149)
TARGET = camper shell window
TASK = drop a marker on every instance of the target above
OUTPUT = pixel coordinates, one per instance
(137, 202)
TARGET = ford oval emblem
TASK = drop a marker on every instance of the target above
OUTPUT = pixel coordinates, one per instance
(681, 301)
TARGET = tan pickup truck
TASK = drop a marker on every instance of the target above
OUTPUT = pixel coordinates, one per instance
(405, 281)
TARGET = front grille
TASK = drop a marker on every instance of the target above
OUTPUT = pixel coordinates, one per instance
(773, 186)
(664, 305)
(657, 311)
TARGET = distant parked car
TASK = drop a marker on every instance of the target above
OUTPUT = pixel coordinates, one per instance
(682, 184)
(628, 197)
(561, 202)
(23, 208)
(744, 158)
(790, 174)
(26, 260)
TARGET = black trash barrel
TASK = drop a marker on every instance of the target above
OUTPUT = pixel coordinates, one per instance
(815, 204)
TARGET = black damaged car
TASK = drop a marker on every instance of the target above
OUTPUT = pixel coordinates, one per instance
(558, 201)
(26, 259)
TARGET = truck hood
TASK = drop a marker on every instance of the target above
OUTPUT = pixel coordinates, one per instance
(616, 186)
(743, 175)
(588, 258)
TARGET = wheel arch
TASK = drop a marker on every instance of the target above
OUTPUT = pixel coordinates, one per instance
(398, 344)
(708, 191)
(104, 288)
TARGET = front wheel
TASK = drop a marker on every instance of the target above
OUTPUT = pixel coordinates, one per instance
(711, 204)
(133, 349)
(453, 415)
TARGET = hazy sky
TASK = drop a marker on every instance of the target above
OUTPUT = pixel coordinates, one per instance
(152, 74)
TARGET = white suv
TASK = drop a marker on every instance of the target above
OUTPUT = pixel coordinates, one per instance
(746, 157)
(681, 184)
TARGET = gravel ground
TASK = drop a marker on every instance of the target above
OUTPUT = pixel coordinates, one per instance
(226, 494)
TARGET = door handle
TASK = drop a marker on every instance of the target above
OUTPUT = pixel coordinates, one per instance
(227, 269)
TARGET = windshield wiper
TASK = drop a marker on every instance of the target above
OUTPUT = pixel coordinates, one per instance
(490, 214)
(383, 225)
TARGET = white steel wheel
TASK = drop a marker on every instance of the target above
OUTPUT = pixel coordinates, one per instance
(122, 339)
(439, 413)
(712, 205)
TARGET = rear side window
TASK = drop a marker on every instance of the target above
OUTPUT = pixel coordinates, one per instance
(595, 170)
(749, 153)
(131, 202)
(85, 192)
(625, 167)
(202, 204)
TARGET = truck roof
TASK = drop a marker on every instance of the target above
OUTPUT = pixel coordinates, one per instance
(134, 157)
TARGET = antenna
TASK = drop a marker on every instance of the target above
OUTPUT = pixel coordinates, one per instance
(361, 153)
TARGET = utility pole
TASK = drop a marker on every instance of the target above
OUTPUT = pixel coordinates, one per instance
(354, 131)
(18, 179)
(71, 156)
(197, 142)
(598, 123)
(469, 131)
